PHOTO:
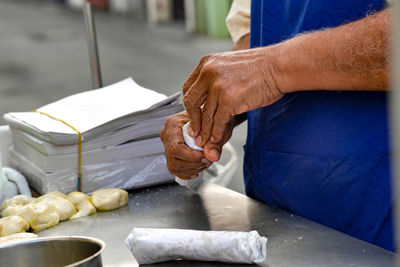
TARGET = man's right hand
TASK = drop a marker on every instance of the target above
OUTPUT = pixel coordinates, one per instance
(182, 161)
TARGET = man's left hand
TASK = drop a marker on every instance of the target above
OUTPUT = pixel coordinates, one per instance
(226, 84)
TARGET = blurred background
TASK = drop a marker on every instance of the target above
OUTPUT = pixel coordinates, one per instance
(44, 56)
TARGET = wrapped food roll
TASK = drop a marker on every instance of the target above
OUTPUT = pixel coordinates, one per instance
(157, 245)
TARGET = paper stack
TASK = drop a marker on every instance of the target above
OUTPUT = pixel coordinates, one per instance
(119, 126)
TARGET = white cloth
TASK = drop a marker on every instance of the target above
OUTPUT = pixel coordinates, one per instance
(194, 183)
(190, 141)
(238, 19)
(157, 245)
(12, 183)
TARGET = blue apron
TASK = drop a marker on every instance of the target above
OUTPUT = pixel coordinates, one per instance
(323, 154)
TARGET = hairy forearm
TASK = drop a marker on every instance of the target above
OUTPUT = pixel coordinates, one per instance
(349, 57)
(241, 44)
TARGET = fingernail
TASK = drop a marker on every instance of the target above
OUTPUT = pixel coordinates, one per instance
(190, 131)
(206, 161)
(215, 154)
(198, 141)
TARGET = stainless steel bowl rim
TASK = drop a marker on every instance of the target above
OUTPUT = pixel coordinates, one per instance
(50, 238)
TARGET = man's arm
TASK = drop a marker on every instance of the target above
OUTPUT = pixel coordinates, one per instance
(349, 57)
(241, 44)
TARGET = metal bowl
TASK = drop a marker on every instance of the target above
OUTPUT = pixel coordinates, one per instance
(53, 252)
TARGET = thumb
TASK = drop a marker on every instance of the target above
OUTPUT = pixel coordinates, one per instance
(212, 151)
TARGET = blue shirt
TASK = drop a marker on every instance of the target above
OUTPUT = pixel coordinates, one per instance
(321, 154)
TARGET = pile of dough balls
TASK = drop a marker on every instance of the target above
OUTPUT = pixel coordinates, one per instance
(20, 213)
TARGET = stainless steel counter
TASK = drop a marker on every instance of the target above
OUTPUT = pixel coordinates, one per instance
(293, 240)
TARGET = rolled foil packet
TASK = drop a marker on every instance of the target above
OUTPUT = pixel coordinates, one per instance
(194, 183)
(158, 245)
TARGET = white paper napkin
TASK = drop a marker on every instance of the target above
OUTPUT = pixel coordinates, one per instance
(194, 183)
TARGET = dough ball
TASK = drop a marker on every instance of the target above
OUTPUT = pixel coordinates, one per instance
(27, 212)
(17, 237)
(64, 207)
(109, 199)
(57, 193)
(45, 216)
(82, 203)
(40, 214)
(12, 225)
(15, 200)
(76, 197)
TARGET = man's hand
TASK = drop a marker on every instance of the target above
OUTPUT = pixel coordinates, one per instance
(224, 85)
(182, 161)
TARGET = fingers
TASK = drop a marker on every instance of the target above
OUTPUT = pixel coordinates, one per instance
(175, 146)
(212, 151)
(172, 130)
(222, 119)
(208, 118)
(194, 75)
(184, 168)
(193, 101)
(183, 152)
(185, 162)
(207, 121)
(182, 161)
(185, 171)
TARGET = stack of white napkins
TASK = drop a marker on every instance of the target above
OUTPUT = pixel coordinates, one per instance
(120, 126)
